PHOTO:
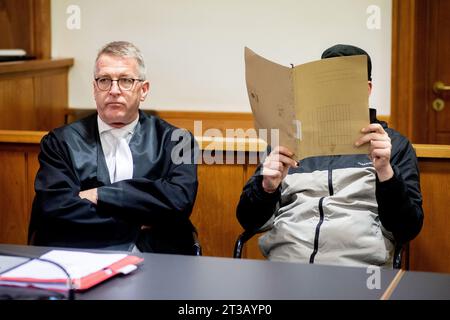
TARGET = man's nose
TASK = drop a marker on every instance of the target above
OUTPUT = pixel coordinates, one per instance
(114, 90)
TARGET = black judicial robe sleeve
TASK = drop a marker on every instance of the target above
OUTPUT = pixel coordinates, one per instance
(57, 187)
(59, 216)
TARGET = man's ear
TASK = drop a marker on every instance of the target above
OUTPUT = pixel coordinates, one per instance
(145, 89)
(370, 87)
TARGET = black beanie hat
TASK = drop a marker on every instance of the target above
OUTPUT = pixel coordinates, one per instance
(341, 50)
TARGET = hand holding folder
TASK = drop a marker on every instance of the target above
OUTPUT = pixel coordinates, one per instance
(85, 270)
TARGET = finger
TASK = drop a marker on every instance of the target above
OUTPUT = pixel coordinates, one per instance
(283, 150)
(373, 127)
(381, 153)
(371, 136)
(275, 165)
(287, 161)
(377, 144)
(375, 136)
(271, 173)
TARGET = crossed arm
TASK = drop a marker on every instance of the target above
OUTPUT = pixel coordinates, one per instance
(142, 200)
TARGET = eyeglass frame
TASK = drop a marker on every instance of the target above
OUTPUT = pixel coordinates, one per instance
(117, 80)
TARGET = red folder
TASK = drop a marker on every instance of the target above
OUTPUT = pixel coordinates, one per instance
(122, 266)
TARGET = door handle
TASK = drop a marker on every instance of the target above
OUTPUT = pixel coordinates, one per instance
(439, 86)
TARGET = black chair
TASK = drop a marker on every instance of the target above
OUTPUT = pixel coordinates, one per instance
(398, 252)
(196, 245)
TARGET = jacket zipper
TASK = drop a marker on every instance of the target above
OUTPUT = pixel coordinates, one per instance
(316, 237)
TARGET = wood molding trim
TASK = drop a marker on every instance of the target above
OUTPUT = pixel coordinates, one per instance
(432, 151)
(402, 64)
(196, 115)
(19, 136)
(409, 63)
(220, 144)
(34, 65)
(186, 119)
(42, 38)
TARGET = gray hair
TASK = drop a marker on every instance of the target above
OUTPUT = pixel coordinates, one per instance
(124, 49)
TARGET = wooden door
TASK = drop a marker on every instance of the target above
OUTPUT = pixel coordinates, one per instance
(439, 121)
(421, 58)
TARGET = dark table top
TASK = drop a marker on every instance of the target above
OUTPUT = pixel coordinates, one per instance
(422, 286)
(176, 277)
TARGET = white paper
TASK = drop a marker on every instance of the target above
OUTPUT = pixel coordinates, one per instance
(9, 262)
(77, 264)
(12, 52)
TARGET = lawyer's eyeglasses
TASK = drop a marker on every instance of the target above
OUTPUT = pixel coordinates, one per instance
(124, 84)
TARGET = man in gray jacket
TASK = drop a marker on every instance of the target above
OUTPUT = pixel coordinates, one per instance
(344, 210)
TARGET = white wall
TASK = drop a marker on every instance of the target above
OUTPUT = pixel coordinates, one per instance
(194, 48)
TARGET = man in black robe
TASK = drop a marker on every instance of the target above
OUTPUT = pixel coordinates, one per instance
(118, 179)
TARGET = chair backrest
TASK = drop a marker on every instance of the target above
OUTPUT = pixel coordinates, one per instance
(401, 254)
(196, 245)
(240, 242)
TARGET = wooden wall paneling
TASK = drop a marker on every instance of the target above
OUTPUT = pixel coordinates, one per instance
(209, 120)
(6, 40)
(403, 49)
(32, 168)
(25, 24)
(251, 249)
(13, 190)
(401, 65)
(17, 103)
(409, 73)
(51, 98)
(42, 42)
(16, 23)
(19, 157)
(214, 212)
(34, 94)
(420, 105)
(430, 251)
(186, 119)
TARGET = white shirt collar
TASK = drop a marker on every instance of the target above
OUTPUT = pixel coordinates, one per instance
(103, 126)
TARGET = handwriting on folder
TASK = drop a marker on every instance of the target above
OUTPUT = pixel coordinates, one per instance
(85, 269)
(318, 108)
